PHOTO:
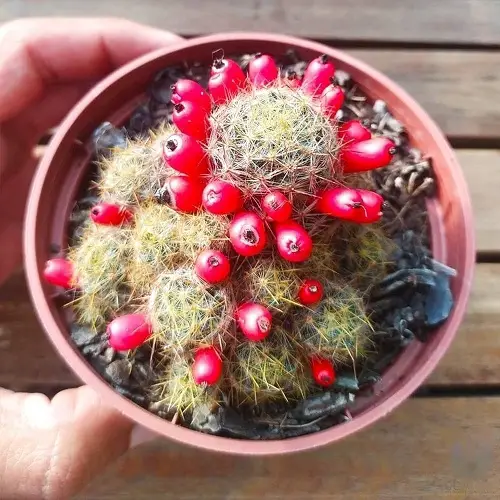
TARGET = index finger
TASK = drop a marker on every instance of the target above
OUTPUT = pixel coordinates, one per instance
(35, 53)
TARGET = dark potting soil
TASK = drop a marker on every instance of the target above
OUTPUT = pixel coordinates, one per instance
(406, 306)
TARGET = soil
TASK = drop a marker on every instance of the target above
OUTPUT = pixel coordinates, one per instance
(406, 305)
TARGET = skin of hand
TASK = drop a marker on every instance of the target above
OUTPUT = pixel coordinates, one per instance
(50, 449)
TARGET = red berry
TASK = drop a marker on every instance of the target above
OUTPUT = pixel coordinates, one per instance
(355, 205)
(184, 193)
(207, 366)
(293, 241)
(310, 292)
(226, 80)
(352, 131)
(254, 320)
(323, 371)
(212, 266)
(185, 154)
(318, 75)
(221, 198)
(276, 206)
(128, 331)
(110, 214)
(292, 80)
(228, 67)
(262, 70)
(59, 272)
(373, 205)
(331, 100)
(367, 155)
(189, 90)
(191, 119)
(247, 234)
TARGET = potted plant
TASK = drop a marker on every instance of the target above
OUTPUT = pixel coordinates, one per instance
(250, 243)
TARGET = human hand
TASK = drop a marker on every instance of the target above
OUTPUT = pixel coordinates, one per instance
(46, 66)
(51, 449)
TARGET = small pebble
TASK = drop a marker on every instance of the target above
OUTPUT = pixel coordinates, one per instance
(106, 137)
(379, 107)
(118, 372)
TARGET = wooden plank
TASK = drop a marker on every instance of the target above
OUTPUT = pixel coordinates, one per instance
(427, 449)
(447, 21)
(454, 87)
(482, 171)
(27, 358)
(473, 357)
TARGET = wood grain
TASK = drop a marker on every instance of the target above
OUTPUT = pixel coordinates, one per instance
(455, 87)
(482, 171)
(28, 360)
(426, 449)
(447, 21)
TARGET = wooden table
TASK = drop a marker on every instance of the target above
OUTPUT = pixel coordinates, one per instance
(445, 441)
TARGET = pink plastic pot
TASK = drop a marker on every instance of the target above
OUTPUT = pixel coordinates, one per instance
(64, 165)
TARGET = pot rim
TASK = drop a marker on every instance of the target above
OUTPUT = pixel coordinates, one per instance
(195, 438)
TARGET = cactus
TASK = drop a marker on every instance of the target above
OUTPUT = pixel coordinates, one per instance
(338, 328)
(177, 391)
(163, 239)
(100, 260)
(273, 138)
(185, 312)
(273, 282)
(135, 173)
(269, 370)
(366, 256)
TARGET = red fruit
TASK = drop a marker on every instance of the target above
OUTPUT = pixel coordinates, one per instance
(292, 80)
(185, 154)
(331, 100)
(189, 90)
(310, 292)
(355, 205)
(229, 67)
(262, 70)
(254, 320)
(373, 205)
(207, 366)
(367, 155)
(276, 206)
(247, 234)
(59, 272)
(128, 331)
(221, 198)
(212, 266)
(191, 119)
(110, 214)
(226, 80)
(318, 75)
(322, 371)
(352, 131)
(293, 241)
(184, 193)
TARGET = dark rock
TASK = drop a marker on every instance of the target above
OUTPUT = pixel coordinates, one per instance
(439, 301)
(140, 121)
(83, 335)
(318, 405)
(141, 374)
(106, 137)
(135, 396)
(94, 349)
(205, 420)
(118, 372)
(109, 354)
(346, 383)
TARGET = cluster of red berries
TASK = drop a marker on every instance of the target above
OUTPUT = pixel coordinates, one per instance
(185, 153)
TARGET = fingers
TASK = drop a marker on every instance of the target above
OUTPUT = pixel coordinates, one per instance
(37, 52)
(52, 449)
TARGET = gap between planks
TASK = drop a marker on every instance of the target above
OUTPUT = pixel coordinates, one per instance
(425, 449)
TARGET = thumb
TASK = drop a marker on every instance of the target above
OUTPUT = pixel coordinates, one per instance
(52, 449)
